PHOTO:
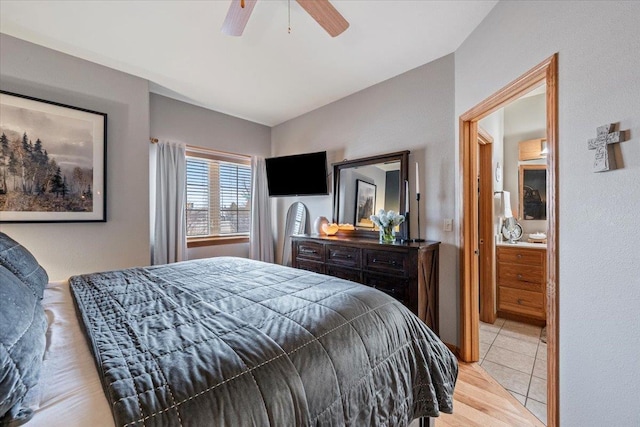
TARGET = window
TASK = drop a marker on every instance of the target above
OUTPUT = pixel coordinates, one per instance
(218, 197)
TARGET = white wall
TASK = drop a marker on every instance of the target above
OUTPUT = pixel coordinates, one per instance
(521, 120)
(599, 281)
(413, 111)
(524, 119)
(493, 124)
(123, 241)
(178, 121)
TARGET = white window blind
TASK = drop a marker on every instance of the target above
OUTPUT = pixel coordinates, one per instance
(218, 194)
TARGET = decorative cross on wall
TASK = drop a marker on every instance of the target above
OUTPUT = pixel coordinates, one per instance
(601, 145)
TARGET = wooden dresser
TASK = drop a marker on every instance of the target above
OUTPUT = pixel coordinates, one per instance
(521, 277)
(406, 271)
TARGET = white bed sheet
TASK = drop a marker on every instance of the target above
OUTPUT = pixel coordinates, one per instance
(71, 394)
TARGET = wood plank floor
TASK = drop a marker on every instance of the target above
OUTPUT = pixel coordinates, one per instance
(480, 401)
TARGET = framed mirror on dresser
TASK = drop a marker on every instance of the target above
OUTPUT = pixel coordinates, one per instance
(361, 187)
(408, 271)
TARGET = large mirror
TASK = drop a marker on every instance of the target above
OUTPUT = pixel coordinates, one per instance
(533, 192)
(361, 187)
(297, 223)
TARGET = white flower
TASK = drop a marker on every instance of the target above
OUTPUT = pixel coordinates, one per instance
(387, 219)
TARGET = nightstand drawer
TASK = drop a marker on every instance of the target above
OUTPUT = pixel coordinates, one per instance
(311, 251)
(521, 302)
(346, 256)
(385, 261)
(533, 257)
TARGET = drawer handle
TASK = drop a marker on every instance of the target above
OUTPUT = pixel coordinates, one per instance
(347, 256)
(519, 256)
(308, 251)
(520, 301)
(519, 276)
(389, 262)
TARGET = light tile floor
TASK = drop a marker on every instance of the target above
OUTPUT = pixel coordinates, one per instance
(512, 353)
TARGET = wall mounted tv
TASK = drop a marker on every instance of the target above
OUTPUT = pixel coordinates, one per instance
(298, 175)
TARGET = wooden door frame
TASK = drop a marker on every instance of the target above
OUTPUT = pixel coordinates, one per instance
(486, 243)
(545, 72)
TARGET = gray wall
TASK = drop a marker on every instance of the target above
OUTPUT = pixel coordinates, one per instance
(599, 281)
(413, 111)
(178, 121)
(73, 248)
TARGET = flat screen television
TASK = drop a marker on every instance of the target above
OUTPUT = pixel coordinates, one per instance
(298, 175)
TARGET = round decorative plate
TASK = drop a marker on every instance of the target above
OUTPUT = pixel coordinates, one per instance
(514, 233)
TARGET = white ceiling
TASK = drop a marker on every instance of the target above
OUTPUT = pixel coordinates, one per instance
(267, 75)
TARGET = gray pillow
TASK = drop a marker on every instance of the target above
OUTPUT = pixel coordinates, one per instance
(18, 260)
(22, 343)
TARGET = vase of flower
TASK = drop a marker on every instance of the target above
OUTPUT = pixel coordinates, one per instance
(387, 223)
(387, 234)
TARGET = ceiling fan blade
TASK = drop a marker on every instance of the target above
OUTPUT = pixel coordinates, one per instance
(326, 15)
(237, 17)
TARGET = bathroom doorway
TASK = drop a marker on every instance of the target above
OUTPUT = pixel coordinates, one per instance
(543, 74)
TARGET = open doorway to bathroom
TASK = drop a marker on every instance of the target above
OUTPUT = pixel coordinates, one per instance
(512, 261)
(523, 304)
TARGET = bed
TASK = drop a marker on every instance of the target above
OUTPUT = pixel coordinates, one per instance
(230, 341)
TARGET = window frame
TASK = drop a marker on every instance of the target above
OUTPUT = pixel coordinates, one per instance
(208, 154)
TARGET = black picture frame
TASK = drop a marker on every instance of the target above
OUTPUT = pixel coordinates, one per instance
(53, 161)
(365, 203)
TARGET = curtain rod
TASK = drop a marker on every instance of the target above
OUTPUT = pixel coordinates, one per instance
(201, 150)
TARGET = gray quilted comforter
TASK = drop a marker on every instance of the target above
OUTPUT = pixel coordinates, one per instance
(234, 342)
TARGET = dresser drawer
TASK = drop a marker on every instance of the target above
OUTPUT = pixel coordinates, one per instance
(310, 250)
(392, 285)
(316, 267)
(407, 272)
(344, 273)
(385, 261)
(533, 257)
(521, 276)
(346, 256)
(521, 302)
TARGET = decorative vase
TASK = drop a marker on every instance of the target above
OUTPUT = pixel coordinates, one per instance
(317, 225)
(387, 234)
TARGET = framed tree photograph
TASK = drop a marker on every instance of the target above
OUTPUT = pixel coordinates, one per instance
(52, 161)
(365, 203)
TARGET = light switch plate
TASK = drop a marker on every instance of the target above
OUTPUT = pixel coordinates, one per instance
(448, 224)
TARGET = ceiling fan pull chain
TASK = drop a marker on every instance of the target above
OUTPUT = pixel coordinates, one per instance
(320, 10)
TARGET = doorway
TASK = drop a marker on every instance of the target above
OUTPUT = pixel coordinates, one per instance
(544, 73)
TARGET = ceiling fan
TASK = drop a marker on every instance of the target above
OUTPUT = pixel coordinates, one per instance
(321, 10)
